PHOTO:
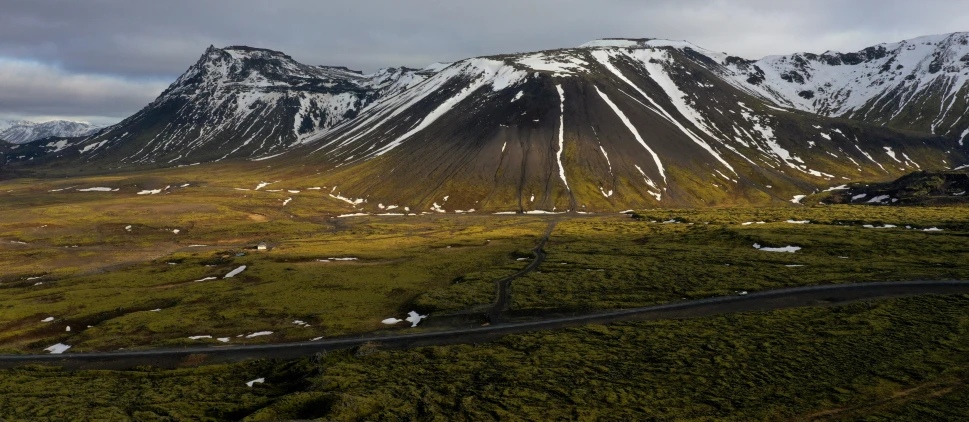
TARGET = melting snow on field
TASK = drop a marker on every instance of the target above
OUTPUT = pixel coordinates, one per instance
(48, 319)
(258, 334)
(199, 337)
(391, 321)
(798, 221)
(256, 381)
(797, 198)
(932, 229)
(414, 318)
(207, 279)
(223, 339)
(788, 248)
(356, 201)
(235, 272)
(287, 201)
(751, 222)
(886, 226)
(57, 348)
(150, 192)
(98, 189)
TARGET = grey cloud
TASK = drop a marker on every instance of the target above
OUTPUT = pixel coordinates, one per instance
(160, 39)
(34, 89)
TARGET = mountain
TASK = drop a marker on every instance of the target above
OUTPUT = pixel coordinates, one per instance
(612, 124)
(243, 102)
(918, 84)
(22, 131)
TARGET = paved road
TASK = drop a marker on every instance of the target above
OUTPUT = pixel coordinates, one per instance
(760, 301)
(503, 297)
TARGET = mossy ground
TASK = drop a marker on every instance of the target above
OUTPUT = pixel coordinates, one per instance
(622, 263)
(110, 266)
(898, 359)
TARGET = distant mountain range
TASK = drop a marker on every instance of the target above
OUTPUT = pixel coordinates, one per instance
(614, 123)
(22, 131)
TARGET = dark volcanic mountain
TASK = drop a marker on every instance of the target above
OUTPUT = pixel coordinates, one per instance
(619, 123)
(613, 124)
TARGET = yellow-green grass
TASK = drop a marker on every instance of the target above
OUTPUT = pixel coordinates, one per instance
(108, 259)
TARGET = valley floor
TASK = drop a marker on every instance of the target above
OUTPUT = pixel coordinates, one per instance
(104, 270)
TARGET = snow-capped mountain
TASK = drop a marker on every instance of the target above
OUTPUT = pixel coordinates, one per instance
(22, 131)
(918, 84)
(612, 124)
(243, 102)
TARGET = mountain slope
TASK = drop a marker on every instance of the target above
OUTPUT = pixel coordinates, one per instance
(918, 84)
(22, 131)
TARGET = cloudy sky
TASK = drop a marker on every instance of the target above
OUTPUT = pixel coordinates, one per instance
(102, 60)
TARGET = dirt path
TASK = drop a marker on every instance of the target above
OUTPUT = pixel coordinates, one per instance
(503, 298)
(827, 295)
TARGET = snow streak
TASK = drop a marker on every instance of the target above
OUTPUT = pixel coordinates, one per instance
(629, 125)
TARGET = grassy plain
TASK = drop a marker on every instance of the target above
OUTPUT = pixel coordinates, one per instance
(615, 263)
(113, 261)
(900, 359)
(111, 266)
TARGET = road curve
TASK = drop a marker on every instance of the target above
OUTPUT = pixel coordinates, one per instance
(760, 301)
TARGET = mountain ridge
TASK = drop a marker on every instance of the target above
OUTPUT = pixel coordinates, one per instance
(24, 131)
(611, 124)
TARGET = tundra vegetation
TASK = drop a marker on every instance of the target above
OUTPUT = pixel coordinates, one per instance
(111, 265)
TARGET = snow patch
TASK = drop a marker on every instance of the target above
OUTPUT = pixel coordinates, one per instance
(788, 248)
(235, 272)
(57, 348)
(414, 318)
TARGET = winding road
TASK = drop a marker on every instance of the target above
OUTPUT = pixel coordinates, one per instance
(503, 297)
(826, 295)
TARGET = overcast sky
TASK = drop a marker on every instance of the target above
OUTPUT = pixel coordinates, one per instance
(102, 60)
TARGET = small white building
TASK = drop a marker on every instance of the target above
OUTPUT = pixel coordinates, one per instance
(262, 246)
